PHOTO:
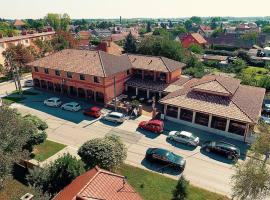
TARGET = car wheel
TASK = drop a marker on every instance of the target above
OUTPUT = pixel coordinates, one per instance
(207, 149)
(230, 157)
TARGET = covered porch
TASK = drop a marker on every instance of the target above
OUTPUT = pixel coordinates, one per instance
(217, 124)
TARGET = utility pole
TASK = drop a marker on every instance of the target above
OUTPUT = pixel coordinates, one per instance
(114, 85)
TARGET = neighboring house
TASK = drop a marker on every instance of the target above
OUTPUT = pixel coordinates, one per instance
(192, 38)
(100, 185)
(102, 33)
(222, 60)
(84, 39)
(216, 104)
(19, 24)
(110, 47)
(26, 40)
(205, 31)
(122, 36)
(82, 73)
(235, 40)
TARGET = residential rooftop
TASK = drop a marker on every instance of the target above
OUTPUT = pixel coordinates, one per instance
(156, 63)
(220, 96)
(98, 184)
(97, 63)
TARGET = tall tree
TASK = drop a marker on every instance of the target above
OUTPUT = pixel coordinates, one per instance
(262, 144)
(65, 21)
(53, 20)
(196, 20)
(188, 24)
(130, 44)
(251, 180)
(16, 139)
(148, 27)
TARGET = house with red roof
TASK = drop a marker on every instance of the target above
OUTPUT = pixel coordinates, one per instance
(205, 31)
(98, 184)
(192, 38)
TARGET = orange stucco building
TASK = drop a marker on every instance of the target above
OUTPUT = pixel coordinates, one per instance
(96, 75)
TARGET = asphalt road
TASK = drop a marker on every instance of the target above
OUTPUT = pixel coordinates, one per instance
(204, 170)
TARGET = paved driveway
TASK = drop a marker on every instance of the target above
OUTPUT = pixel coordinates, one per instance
(73, 129)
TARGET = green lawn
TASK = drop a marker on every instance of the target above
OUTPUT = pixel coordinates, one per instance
(10, 100)
(47, 149)
(25, 92)
(257, 71)
(13, 189)
(153, 186)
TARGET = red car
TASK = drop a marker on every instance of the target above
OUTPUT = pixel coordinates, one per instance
(155, 126)
(93, 112)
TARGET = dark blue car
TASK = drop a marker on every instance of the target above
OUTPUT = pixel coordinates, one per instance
(165, 157)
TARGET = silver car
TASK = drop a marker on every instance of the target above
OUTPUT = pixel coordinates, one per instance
(71, 106)
(53, 102)
(115, 117)
(184, 137)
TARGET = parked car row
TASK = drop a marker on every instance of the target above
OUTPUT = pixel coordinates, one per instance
(230, 151)
(93, 111)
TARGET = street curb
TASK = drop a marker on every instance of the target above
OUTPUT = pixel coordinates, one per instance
(11, 81)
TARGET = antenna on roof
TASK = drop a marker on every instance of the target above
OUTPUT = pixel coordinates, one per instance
(134, 59)
(150, 62)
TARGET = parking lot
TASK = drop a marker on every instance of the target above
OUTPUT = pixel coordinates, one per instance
(205, 170)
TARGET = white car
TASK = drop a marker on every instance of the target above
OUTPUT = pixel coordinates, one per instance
(115, 117)
(28, 83)
(184, 137)
(53, 102)
(71, 106)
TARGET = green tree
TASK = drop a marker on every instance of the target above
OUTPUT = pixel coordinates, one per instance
(108, 153)
(195, 48)
(159, 46)
(196, 20)
(130, 44)
(178, 30)
(161, 32)
(148, 27)
(262, 145)
(266, 29)
(238, 65)
(188, 24)
(53, 20)
(57, 175)
(65, 21)
(215, 22)
(16, 135)
(181, 190)
(64, 40)
(251, 180)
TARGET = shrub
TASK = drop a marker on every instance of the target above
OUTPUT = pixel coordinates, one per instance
(108, 153)
(57, 175)
(41, 125)
(221, 52)
(180, 192)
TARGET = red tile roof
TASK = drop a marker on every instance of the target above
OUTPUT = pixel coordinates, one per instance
(100, 185)
(156, 63)
(19, 22)
(198, 38)
(97, 63)
(243, 103)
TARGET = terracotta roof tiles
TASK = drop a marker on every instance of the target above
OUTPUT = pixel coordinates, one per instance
(96, 63)
(243, 104)
(98, 184)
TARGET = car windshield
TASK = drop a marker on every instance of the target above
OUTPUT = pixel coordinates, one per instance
(170, 156)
